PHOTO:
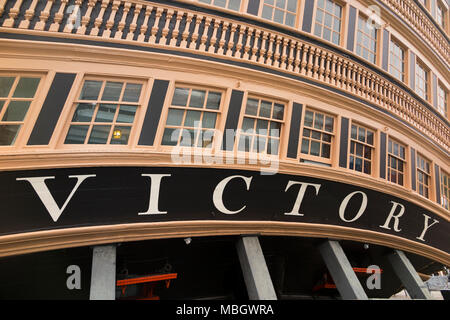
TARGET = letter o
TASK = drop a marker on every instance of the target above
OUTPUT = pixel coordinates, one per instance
(344, 206)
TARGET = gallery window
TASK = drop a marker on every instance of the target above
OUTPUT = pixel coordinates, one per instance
(397, 61)
(228, 4)
(328, 21)
(421, 81)
(441, 14)
(192, 117)
(317, 136)
(281, 11)
(261, 126)
(396, 162)
(442, 99)
(361, 148)
(17, 93)
(423, 175)
(104, 112)
(445, 190)
(366, 40)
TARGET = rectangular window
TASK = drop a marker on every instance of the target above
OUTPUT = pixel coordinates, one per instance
(396, 162)
(397, 61)
(366, 40)
(16, 95)
(440, 15)
(423, 176)
(361, 149)
(281, 11)
(445, 190)
(442, 100)
(228, 4)
(421, 81)
(104, 112)
(261, 126)
(328, 21)
(318, 135)
(192, 117)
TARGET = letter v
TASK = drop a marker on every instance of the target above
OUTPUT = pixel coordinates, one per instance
(38, 184)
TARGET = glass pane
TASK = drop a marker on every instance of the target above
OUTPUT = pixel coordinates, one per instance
(292, 5)
(326, 34)
(209, 120)
(359, 149)
(362, 134)
(213, 101)
(367, 166)
(335, 38)
(351, 162)
(305, 146)
(84, 112)
(272, 147)
(309, 118)
(321, 4)
(316, 135)
(16, 110)
(206, 139)
(262, 127)
(248, 125)
(8, 134)
(325, 150)
(278, 16)
(315, 148)
(5, 85)
(175, 117)
(318, 121)
(329, 124)
(252, 107)
(180, 97)
(1, 105)
(99, 135)
(132, 92)
(120, 135)
(90, 90)
(126, 114)
(369, 137)
(275, 129)
(281, 4)
(278, 110)
(318, 30)
(26, 88)
(197, 98)
(367, 152)
(170, 137)
(326, 137)
(76, 134)
(234, 5)
(328, 20)
(244, 143)
(188, 137)
(358, 164)
(319, 16)
(266, 109)
(192, 118)
(220, 3)
(106, 113)
(267, 12)
(290, 20)
(112, 91)
(259, 144)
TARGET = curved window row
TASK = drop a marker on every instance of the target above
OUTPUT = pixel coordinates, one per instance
(107, 110)
(365, 37)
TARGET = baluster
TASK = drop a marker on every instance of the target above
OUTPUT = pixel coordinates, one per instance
(99, 20)
(283, 57)
(327, 77)
(304, 61)
(194, 38)
(262, 52)
(43, 17)
(122, 23)
(87, 16)
(133, 24)
(230, 44)
(290, 60)
(239, 43)
(2, 6)
(316, 64)
(220, 50)
(155, 27)
(58, 16)
(297, 57)
(204, 36)
(247, 43)
(29, 14)
(13, 13)
(333, 70)
(359, 79)
(71, 20)
(255, 45)
(176, 29)
(110, 22)
(344, 75)
(213, 40)
(310, 65)
(270, 49)
(185, 34)
(165, 30)
(276, 56)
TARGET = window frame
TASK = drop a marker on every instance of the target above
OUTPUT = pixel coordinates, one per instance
(168, 105)
(32, 111)
(444, 201)
(377, 40)
(255, 95)
(405, 50)
(241, 9)
(373, 162)
(428, 175)
(333, 145)
(422, 65)
(298, 14)
(398, 158)
(76, 100)
(443, 111)
(344, 23)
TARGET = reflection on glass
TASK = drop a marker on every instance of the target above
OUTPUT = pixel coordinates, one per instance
(170, 137)
(120, 135)
(132, 92)
(83, 112)
(106, 113)
(91, 89)
(16, 111)
(175, 117)
(197, 99)
(8, 134)
(180, 97)
(213, 101)
(99, 135)
(252, 107)
(112, 91)
(76, 134)
(26, 87)
(126, 114)
(5, 85)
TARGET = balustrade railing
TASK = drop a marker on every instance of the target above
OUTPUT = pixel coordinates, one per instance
(154, 24)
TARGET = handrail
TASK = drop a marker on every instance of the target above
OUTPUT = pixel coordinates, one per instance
(165, 26)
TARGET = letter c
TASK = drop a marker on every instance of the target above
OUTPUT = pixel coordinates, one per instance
(218, 193)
